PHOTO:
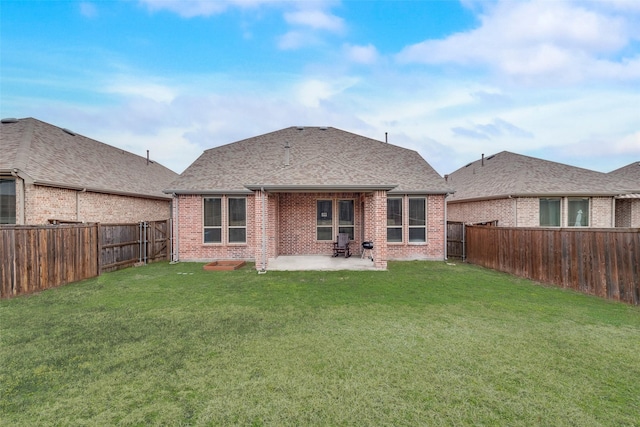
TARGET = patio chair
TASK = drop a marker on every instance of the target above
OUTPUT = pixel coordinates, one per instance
(341, 245)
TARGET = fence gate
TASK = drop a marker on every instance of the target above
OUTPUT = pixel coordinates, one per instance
(123, 245)
(456, 240)
(157, 240)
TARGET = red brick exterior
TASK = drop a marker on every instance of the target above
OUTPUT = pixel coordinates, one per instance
(290, 228)
(37, 204)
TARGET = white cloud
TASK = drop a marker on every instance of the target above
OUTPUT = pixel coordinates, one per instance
(316, 19)
(497, 128)
(194, 8)
(188, 8)
(629, 144)
(361, 54)
(312, 92)
(296, 39)
(538, 39)
(143, 89)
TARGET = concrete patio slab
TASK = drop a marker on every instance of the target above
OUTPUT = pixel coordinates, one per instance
(319, 263)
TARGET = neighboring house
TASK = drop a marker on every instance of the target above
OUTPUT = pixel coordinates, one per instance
(51, 174)
(628, 204)
(290, 192)
(522, 191)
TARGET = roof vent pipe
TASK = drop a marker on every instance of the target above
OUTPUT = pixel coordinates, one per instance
(147, 157)
(482, 159)
(386, 138)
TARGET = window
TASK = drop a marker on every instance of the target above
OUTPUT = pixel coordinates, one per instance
(394, 220)
(550, 212)
(213, 220)
(346, 222)
(237, 220)
(7, 201)
(578, 212)
(417, 220)
(324, 220)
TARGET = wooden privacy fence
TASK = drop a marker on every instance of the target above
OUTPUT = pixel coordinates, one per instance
(37, 258)
(455, 240)
(34, 258)
(123, 245)
(602, 262)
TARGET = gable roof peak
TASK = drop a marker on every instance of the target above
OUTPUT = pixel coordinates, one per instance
(46, 154)
(317, 156)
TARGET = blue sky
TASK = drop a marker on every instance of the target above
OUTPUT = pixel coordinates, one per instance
(559, 80)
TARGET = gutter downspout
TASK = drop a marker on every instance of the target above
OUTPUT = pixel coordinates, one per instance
(613, 212)
(446, 257)
(175, 247)
(264, 233)
(23, 198)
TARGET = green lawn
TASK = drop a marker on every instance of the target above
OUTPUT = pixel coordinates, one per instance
(424, 343)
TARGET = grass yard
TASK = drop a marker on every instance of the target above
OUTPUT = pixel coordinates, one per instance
(424, 343)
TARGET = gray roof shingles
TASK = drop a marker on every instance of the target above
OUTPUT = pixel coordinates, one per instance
(630, 175)
(319, 158)
(509, 174)
(48, 155)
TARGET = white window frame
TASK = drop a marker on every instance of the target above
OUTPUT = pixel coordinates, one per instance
(396, 226)
(225, 227)
(559, 200)
(213, 227)
(415, 227)
(236, 227)
(335, 218)
(8, 199)
(353, 219)
(325, 226)
(585, 216)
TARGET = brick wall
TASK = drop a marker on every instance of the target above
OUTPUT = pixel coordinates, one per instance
(635, 213)
(502, 210)
(44, 203)
(602, 212)
(291, 228)
(628, 213)
(525, 212)
(433, 249)
(623, 213)
(297, 219)
(191, 244)
(271, 227)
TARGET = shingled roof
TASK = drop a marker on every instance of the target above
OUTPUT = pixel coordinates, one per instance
(630, 174)
(508, 174)
(309, 159)
(48, 155)
(629, 177)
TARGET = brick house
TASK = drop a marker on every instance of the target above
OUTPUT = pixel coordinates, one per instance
(628, 204)
(290, 192)
(522, 191)
(52, 174)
